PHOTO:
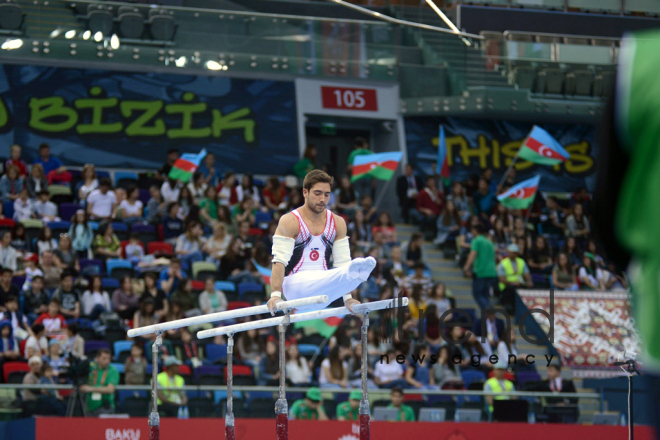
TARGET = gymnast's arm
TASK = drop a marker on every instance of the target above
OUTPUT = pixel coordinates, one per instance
(287, 228)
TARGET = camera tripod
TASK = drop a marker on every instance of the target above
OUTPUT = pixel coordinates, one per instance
(76, 397)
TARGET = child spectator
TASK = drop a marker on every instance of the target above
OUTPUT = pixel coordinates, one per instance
(212, 300)
(37, 344)
(135, 367)
(23, 206)
(35, 300)
(134, 249)
(81, 234)
(31, 271)
(45, 209)
(45, 241)
(53, 321)
(15, 152)
(54, 359)
(95, 300)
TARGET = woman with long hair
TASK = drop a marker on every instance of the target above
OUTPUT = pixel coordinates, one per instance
(231, 263)
(541, 257)
(11, 184)
(185, 296)
(385, 225)
(418, 374)
(81, 234)
(95, 300)
(248, 190)
(439, 297)
(227, 193)
(347, 198)
(269, 366)
(216, 246)
(208, 206)
(245, 211)
(296, 200)
(465, 237)
(151, 290)
(359, 230)
(500, 237)
(520, 231)
(189, 245)
(447, 374)
(124, 300)
(106, 244)
(298, 369)
(502, 212)
(334, 368)
(459, 197)
(45, 240)
(89, 182)
(224, 216)
(572, 250)
(563, 274)
(577, 224)
(590, 274)
(197, 186)
(175, 312)
(131, 208)
(65, 257)
(273, 194)
(186, 201)
(449, 225)
(250, 348)
(36, 181)
(146, 314)
(19, 238)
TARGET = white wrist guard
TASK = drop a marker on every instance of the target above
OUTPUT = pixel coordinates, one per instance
(347, 297)
(282, 249)
(341, 252)
(276, 293)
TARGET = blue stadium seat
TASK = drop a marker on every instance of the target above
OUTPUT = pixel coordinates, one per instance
(118, 366)
(84, 262)
(123, 179)
(243, 288)
(262, 219)
(120, 347)
(216, 352)
(114, 266)
(307, 349)
(8, 209)
(470, 376)
(58, 228)
(225, 286)
(110, 283)
(67, 210)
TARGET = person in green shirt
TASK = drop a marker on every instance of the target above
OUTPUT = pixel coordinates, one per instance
(101, 382)
(406, 413)
(306, 164)
(366, 185)
(481, 265)
(350, 410)
(309, 408)
(208, 206)
(170, 401)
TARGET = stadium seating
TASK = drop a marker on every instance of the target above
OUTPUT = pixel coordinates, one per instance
(122, 350)
(160, 247)
(118, 268)
(91, 347)
(203, 269)
(215, 352)
(13, 367)
(120, 230)
(125, 179)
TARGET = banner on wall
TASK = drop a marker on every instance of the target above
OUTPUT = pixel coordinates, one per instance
(130, 119)
(476, 144)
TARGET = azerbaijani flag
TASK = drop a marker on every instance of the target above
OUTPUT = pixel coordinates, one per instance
(186, 165)
(541, 148)
(379, 165)
(443, 161)
(521, 195)
(325, 327)
(263, 271)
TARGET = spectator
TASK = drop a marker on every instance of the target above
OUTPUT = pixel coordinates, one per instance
(346, 197)
(366, 205)
(186, 203)
(498, 384)
(406, 413)
(134, 250)
(590, 275)
(493, 331)
(190, 351)
(124, 301)
(216, 246)
(582, 196)
(172, 155)
(132, 207)
(577, 224)
(53, 320)
(541, 257)
(233, 264)
(54, 359)
(520, 231)
(334, 369)
(65, 256)
(571, 249)
(35, 299)
(101, 383)
(248, 190)
(439, 297)
(449, 226)
(269, 365)
(95, 300)
(51, 399)
(412, 250)
(145, 314)
(197, 186)
(484, 200)
(9, 348)
(307, 163)
(464, 241)
(245, 212)
(418, 374)
(89, 182)
(309, 408)
(172, 224)
(45, 241)
(208, 170)
(19, 238)
(189, 245)
(274, 194)
(37, 344)
(208, 206)
(36, 181)
(513, 273)
(408, 187)
(227, 194)
(74, 344)
(31, 270)
(151, 290)
(553, 218)
(15, 152)
(385, 226)
(170, 190)
(389, 374)
(106, 244)
(417, 305)
(430, 203)
(212, 300)
(418, 278)
(446, 373)
(32, 378)
(170, 401)
(101, 202)
(350, 410)
(7, 289)
(460, 199)
(250, 348)
(52, 273)
(359, 231)
(555, 384)
(298, 369)
(481, 266)
(186, 298)
(10, 184)
(502, 213)
(53, 168)
(563, 274)
(500, 238)
(19, 322)
(23, 206)
(169, 278)
(593, 247)
(45, 209)
(135, 367)
(507, 348)
(156, 206)
(81, 234)
(395, 270)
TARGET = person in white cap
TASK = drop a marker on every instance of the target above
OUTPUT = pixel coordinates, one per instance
(170, 401)
(32, 378)
(513, 273)
(498, 384)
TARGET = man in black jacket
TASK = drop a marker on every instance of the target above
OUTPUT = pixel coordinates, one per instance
(408, 187)
(555, 384)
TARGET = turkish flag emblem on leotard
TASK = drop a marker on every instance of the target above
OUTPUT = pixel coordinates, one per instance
(314, 255)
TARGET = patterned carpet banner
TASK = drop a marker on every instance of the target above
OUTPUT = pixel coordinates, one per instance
(591, 328)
